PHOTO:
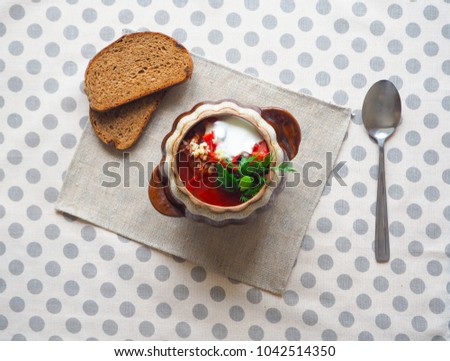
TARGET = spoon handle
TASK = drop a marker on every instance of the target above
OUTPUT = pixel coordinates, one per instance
(381, 221)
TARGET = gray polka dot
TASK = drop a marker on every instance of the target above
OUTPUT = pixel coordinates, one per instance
(181, 292)
(250, 38)
(35, 286)
(377, 28)
(398, 266)
(346, 319)
(304, 59)
(419, 323)
(414, 211)
(340, 97)
(359, 189)
(15, 48)
(233, 56)
(256, 333)
(323, 43)
(434, 268)
(126, 16)
(413, 174)
(358, 153)
(15, 84)
(14, 157)
(327, 299)
(324, 225)
(397, 229)
(430, 12)
(377, 63)
(359, 9)
(88, 51)
(68, 104)
(15, 230)
(36, 323)
(53, 305)
(89, 270)
(53, 13)
(70, 250)
(71, 288)
(323, 78)
(198, 18)
(305, 24)
(183, 329)
(146, 329)
(431, 85)
(216, 37)
(341, 207)
(273, 315)
(15, 193)
(395, 46)
(32, 103)
(127, 309)
(233, 20)
(395, 155)
(3, 323)
(143, 253)
(447, 213)
(343, 244)
(363, 301)
(70, 32)
(365, 336)
(292, 334)
(88, 233)
(180, 35)
(52, 49)
(162, 273)
(395, 191)
(431, 157)
(254, 296)
(290, 297)
(359, 45)
(359, 80)
(89, 15)
(323, 7)
(415, 248)
(200, 312)
(432, 193)
(329, 335)
(310, 317)
(400, 303)
(52, 231)
(32, 139)
(215, 4)
(445, 178)
(360, 226)
(325, 262)
(401, 337)
(17, 12)
(90, 308)
(431, 48)
(51, 194)
(287, 76)
(417, 286)
(110, 327)
(251, 5)
(446, 31)
(17, 304)
(198, 274)
(362, 264)
(144, 291)
(107, 33)
(381, 283)
(217, 293)
(162, 17)
(308, 280)
(395, 11)
(198, 51)
(383, 321)
(341, 26)
(70, 68)
(34, 249)
(236, 313)
(437, 306)
(446, 103)
(126, 272)
(287, 41)
(344, 282)
(51, 85)
(251, 71)
(412, 138)
(413, 30)
(108, 290)
(219, 331)
(431, 120)
(14, 120)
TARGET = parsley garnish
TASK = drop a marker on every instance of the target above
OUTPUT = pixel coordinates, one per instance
(249, 176)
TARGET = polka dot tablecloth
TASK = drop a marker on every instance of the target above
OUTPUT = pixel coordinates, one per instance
(62, 278)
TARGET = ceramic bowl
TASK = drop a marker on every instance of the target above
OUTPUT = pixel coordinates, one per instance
(169, 195)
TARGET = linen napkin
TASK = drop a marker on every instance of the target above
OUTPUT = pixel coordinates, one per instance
(108, 187)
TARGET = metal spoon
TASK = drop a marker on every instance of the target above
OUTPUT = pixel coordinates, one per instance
(381, 114)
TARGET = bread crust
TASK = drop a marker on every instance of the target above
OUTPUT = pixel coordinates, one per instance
(110, 80)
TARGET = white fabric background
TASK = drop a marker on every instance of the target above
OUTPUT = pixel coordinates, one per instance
(61, 278)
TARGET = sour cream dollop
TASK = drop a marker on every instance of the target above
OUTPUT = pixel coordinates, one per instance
(233, 136)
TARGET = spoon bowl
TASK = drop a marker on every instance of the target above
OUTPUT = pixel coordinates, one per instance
(381, 114)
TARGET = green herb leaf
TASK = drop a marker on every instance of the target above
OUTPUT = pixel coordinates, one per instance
(226, 179)
(245, 183)
(285, 167)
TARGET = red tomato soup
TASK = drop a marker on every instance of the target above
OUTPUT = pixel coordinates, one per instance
(223, 161)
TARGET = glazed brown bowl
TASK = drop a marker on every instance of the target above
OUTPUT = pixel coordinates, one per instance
(168, 193)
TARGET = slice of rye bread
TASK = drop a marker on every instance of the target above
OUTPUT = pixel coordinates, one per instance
(123, 125)
(134, 66)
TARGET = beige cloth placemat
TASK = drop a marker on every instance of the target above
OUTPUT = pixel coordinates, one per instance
(261, 253)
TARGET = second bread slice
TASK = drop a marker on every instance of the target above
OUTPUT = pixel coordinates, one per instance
(122, 126)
